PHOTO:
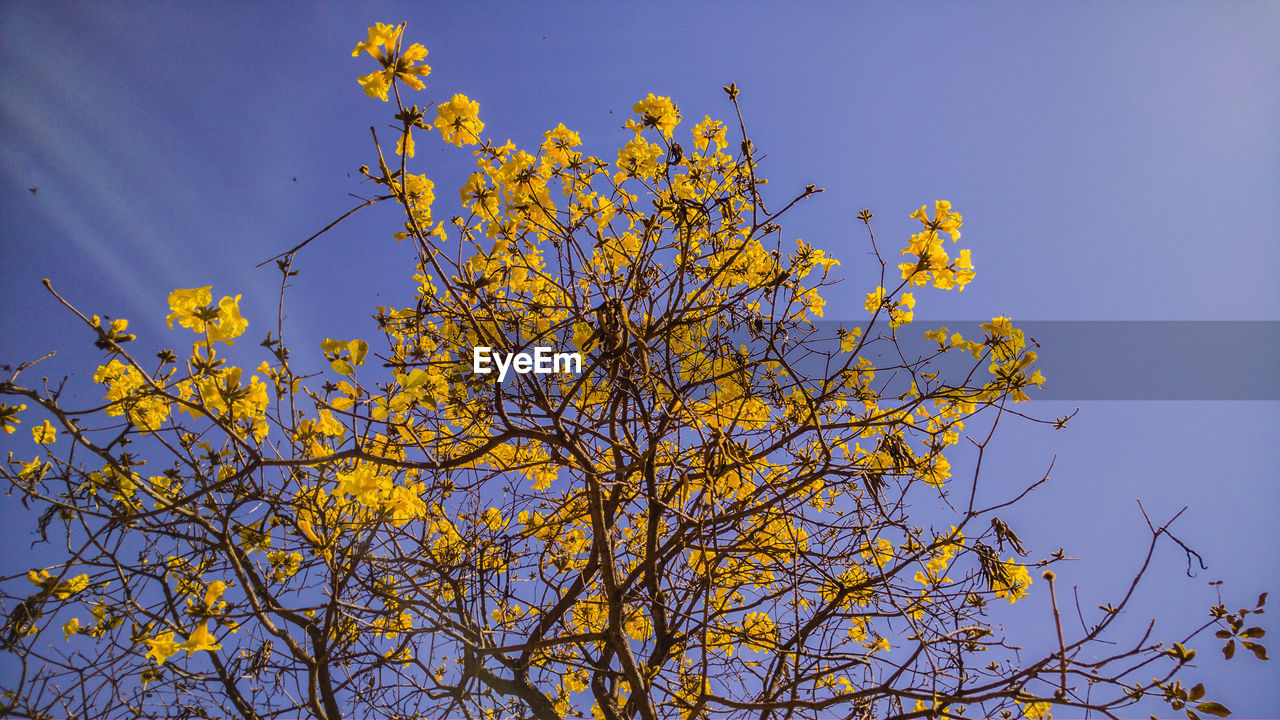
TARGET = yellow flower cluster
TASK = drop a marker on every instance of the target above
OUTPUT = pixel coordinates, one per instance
(901, 311)
(44, 434)
(940, 558)
(459, 121)
(376, 491)
(709, 132)
(418, 193)
(1016, 587)
(127, 389)
(760, 632)
(383, 45)
(638, 159)
(931, 257)
(163, 646)
(284, 564)
(1037, 711)
(59, 589)
(559, 143)
(223, 392)
(1010, 359)
(655, 112)
(190, 307)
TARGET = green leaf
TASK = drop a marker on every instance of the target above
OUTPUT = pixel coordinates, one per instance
(342, 366)
(1258, 651)
(1197, 692)
(1254, 632)
(1213, 708)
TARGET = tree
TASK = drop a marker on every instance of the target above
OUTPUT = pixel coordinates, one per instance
(720, 512)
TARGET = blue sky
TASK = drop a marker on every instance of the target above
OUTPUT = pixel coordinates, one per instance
(1112, 162)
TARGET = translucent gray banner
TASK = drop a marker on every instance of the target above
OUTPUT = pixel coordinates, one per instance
(1121, 360)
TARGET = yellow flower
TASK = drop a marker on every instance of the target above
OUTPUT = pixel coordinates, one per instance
(459, 121)
(961, 273)
(874, 300)
(419, 191)
(637, 626)
(850, 340)
(902, 311)
(558, 143)
(638, 158)
(944, 220)
(575, 681)
(880, 553)
(162, 647)
(184, 302)
(926, 245)
(656, 112)
(285, 564)
(709, 132)
(190, 307)
(1019, 581)
(999, 327)
(1037, 711)
(214, 592)
(813, 301)
(493, 520)
(44, 434)
(230, 323)
(309, 531)
(61, 590)
(405, 145)
(364, 484)
(380, 34)
(761, 631)
(70, 587)
(938, 472)
(477, 196)
(328, 425)
(858, 629)
(200, 639)
(383, 46)
(9, 416)
(33, 471)
(376, 84)
(71, 627)
(126, 391)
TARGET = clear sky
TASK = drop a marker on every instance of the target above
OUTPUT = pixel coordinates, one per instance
(1112, 162)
